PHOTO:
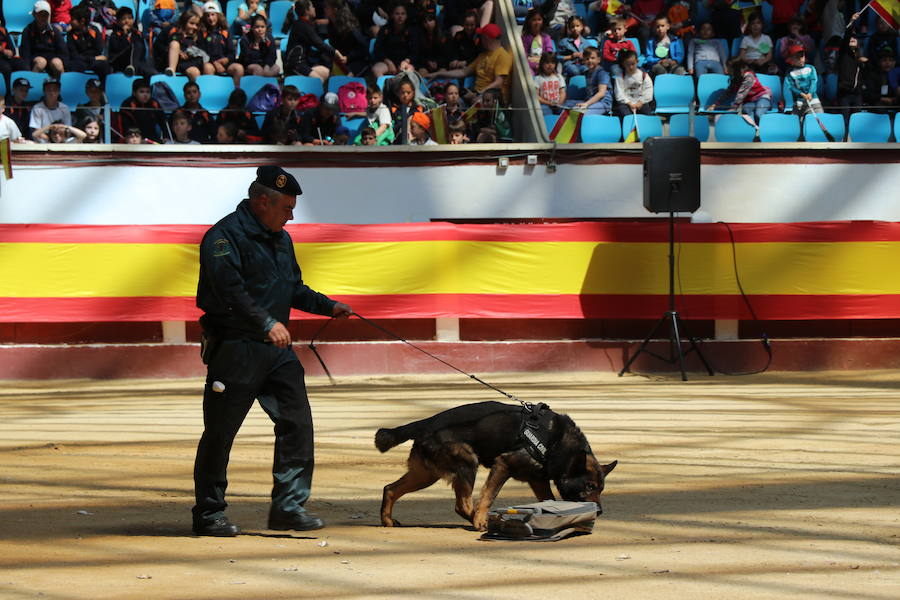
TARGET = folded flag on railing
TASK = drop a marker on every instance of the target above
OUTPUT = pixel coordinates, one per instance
(888, 10)
(6, 158)
(568, 127)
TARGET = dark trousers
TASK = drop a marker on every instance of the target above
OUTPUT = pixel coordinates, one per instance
(252, 370)
(89, 63)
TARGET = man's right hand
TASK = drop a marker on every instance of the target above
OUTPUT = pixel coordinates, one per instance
(280, 336)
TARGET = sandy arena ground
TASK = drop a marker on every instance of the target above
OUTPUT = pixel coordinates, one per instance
(770, 486)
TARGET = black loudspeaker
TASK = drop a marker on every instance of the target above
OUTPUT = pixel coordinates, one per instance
(671, 174)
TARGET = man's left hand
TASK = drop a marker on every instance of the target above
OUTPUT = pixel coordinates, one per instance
(341, 310)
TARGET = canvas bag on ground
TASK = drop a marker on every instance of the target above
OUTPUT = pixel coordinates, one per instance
(546, 521)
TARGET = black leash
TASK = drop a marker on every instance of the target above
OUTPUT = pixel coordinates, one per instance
(408, 343)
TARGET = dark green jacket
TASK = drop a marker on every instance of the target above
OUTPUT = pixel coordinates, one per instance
(250, 279)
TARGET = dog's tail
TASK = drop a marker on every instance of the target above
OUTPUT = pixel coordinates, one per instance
(385, 439)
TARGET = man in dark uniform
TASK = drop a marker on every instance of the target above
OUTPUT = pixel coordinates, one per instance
(249, 281)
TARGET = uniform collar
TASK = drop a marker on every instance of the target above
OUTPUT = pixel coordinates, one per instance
(252, 224)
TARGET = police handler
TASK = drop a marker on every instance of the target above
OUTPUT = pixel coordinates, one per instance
(249, 281)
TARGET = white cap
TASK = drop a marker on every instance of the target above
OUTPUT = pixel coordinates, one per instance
(41, 6)
(212, 7)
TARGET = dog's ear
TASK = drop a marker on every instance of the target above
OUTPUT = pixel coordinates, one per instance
(607, 468)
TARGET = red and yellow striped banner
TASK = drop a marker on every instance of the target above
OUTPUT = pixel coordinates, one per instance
(835, 270)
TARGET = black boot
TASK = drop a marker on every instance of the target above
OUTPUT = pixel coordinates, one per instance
(302, 521)
(221, 527)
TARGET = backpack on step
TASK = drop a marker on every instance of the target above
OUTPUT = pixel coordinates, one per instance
(162, 93)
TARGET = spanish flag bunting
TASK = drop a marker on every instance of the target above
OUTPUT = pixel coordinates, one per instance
(568, 127)
(439, 125)
(337, 69)
(888, 10)
(471, 113)
(611, 6)
(6, 158)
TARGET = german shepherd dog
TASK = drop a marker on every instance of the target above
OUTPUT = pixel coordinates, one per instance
(451, 444)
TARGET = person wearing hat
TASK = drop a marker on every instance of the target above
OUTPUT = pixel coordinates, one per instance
(18, 108)
(419, 124)
(318, 126)
(491, 68)
(84, 44)
(42, 47)
(802, 80)
(50, 110)
(215, 41)
(249, 281)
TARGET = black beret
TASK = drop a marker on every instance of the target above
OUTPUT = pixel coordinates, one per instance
(276, 178)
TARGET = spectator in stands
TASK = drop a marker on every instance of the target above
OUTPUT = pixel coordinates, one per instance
(246, 11)
(227, 133)
(463, 47)
(880, 88)
(756, 47)
(318, 126)
(405, 106)
(9, 59)
(85, 45)
(372, 15)
(41, 47)
(216, 42)
(181, 129)
(162, 17)
(58, 133)
(551, 87)
(745, 94)
(641, 15)
(556, 13)
(796, 36)
(454, 105)
(486, 136)
(599, 85)
(49, 110)
(802, 80)
(366, 137)
(308, 54)
(378, 116)
(534, 40)
(783, 13)
(455, 12)
(258, 51)
(433, 46)
(125, 47)
(18, 108)
(60, 14)
(282, 124)
(133, 136)
(93, 109)
(142, 111)
(494, 116)
(633, 88)
(852, 69)
(102, 13)
(614, 43)
(491, 68)
(419, 124)
(9, 129)
(236, 113)
(705, 54)
(397, 45)
(884, 37)
(92, 129)
(681, 19)
(570, 49)
(345, 36)
(184, 55)
(202, 127)
(458, 132)
(665, 52)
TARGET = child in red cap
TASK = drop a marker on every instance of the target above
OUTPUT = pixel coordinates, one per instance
(802, 80)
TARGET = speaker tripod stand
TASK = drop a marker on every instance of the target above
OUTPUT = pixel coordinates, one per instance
(676, 328)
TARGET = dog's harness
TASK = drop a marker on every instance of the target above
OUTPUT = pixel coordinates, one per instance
(534, 432)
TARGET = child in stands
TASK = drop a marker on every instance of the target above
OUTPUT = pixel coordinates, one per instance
(18, 108)
(599, 86)
(463, 47)
(318, 126)
(9, 59)
(42, 47)
(202, 127)
(236, 113)
(126, 49)
(93, 109)
(706, 54)
(802, 80)
(551, 87)
(258, 50)
(494, 115)
(419, 124)
(756, 47)
(58, 133)
(534, 40)
(378, 116)
(85, 45)
(796, 36)
(162, 16)
(746, 94)
(308, 54)
(681, 20)
(92, 129)
(181, 129)
(184, 54)
(570, 49)
(405, 106)
(8, 128)
(140, 110)
(246, 11)
(397, 45)
(216, 42)
(881, 83)
(284, 120)
(133, 136)
(50, 110)
(634, 88)
(613, 45)
(852, 68)
(458, 132)
(454, 105)
(60, 14)
(665, 52)
(367, 137)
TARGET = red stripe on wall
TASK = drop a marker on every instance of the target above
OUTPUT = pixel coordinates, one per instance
(654, 232)
(512, 306)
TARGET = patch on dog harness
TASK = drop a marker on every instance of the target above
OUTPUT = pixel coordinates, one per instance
(547, 521)
(534, 433)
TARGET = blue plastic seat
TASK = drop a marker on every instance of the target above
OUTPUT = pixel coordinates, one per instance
(896, 129)
(637, 46)
(581, 10)
(591, 43)
(871, 128)
(118, 88)
(335, 82)
(773, 82)
(382, 81)
(17, 14)
(550, 121)
(709, 84)
(831, 88)
(577, 88)
(600, 129)
(278, 11)
(722, 42)
(779, 127)
(354, 125)
(2, 86)
(673, 93)
(833, 123)
(71, 86)
(648, 126)
(732, 127)
(37, 83)
(175, 82)
(252, 84)
(679, 125)
(736, 47)
(231, 11)
(469, 82)
(306, 85)
(214, 91)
